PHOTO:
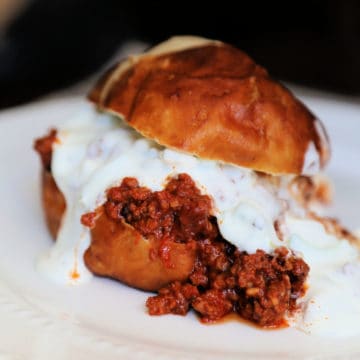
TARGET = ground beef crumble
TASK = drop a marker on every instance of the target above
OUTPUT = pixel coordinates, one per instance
(260, 287)
(178, 213)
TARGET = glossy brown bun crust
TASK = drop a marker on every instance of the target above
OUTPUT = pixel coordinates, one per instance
(212, 100)
(117, 250)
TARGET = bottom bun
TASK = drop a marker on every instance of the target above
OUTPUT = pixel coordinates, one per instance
(119, 251)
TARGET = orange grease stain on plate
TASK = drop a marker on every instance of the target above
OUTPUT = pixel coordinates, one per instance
(74, 274)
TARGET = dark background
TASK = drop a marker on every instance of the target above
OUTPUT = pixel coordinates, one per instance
(55, 43)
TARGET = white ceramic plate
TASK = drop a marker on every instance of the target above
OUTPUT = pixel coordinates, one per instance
(104, 319)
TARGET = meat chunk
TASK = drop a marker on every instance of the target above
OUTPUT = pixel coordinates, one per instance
(175, 298)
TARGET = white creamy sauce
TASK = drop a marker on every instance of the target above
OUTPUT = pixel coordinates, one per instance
(96, 151)
(332, 303)
(312, 161)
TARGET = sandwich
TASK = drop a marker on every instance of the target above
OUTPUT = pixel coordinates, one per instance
(193, 174)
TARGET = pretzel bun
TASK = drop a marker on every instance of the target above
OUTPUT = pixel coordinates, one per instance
(212, 100)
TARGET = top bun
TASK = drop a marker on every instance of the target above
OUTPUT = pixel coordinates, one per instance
(211, 100)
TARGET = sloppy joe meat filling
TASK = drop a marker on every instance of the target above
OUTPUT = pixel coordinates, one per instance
(260, 287)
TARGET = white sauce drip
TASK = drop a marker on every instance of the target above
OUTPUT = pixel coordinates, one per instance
(311, 161)
(97, 151)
